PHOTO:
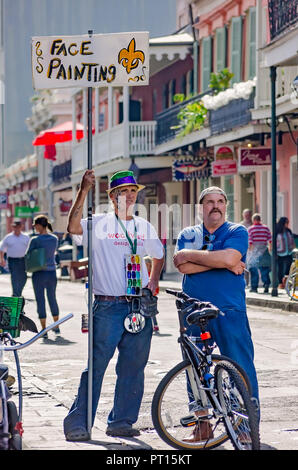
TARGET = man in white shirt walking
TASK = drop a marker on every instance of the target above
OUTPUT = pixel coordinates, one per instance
(15, 245)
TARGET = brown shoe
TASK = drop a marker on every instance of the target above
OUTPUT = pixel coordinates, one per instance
(202, 432)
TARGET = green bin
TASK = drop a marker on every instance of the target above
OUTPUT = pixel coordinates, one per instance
(10, 309)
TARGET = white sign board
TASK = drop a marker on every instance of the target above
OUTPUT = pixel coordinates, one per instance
(90, 61)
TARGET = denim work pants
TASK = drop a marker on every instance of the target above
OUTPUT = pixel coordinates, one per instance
(133, 352)
(18, 275)
(232, 335)
(254, 277)
(45, 281)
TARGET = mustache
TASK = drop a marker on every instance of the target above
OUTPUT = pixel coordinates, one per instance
(215, 210)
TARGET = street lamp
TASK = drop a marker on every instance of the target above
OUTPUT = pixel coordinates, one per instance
(32, 203)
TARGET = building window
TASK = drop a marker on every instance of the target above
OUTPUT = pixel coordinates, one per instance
(236, 49)
(221, 48)
(229, 190)
(251, 43)
(206, 63)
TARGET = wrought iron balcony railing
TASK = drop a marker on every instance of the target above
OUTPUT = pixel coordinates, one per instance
(234, 114)
(282, 15)
(167, 120)
(61, 172)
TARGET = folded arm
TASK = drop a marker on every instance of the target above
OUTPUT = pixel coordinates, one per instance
(200, 260)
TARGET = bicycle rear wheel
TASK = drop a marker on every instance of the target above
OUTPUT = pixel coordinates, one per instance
(292, 286)
(240, 416)
(174, 400)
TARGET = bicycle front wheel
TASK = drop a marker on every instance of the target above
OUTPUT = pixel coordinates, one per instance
(239, 413)
(174, 414)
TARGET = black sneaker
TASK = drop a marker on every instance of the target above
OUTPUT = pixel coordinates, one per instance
(57, 331)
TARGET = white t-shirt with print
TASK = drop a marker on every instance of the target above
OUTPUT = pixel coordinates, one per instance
(109, 247)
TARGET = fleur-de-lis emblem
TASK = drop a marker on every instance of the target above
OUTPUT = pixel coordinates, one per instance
(130, 57)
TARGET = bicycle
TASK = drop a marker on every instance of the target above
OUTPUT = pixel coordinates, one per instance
(291, 285)
(204, 387)
(11, 428)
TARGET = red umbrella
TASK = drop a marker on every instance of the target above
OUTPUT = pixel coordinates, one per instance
(60, 133)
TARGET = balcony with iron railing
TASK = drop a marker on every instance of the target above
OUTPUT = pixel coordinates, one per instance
(282, 16)
(136, 138)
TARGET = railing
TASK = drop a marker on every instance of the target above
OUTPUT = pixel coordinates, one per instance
(282, 15)
(234, 114)
(167, 119)
(284, 79)
(142, 137)
(61, 172)
(137, 138)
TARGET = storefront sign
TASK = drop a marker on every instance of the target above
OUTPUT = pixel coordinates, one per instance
(187, 170)
(24, 212)
(222, 152)
(224, 167)
(3, 201)
(254, 158)
(90, 61)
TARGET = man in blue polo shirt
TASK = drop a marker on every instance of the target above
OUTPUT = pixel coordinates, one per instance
(212, 258)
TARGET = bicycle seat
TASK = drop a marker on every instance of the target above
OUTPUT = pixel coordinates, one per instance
(195, 317)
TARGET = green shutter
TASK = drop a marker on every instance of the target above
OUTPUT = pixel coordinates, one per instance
(252, 43)
(236, 49)
(220, 49)
(206, 62)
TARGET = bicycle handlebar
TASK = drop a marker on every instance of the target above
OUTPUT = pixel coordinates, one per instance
(17, 347)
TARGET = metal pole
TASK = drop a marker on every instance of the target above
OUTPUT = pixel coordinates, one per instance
(195, 54)
(90, 286)
(274, 291)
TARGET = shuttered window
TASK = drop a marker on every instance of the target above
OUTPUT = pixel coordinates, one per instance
(221, 42)
(236, 49)
(206, 62)
(252, 43)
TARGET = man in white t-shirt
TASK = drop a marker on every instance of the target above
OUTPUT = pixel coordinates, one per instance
(115, 236)
(15, 245)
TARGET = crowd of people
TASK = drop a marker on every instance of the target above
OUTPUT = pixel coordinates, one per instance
(216, 252)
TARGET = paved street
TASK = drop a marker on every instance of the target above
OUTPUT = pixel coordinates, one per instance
(51, 370)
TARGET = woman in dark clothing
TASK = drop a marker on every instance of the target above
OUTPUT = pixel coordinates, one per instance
(284, 245)
(45, 280)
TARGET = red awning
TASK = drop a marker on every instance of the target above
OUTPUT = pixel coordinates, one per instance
(60, 133)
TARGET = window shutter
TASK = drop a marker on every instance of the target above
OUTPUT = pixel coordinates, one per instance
(206, 62)
(252, 43)
(236, 49)
(220, 49)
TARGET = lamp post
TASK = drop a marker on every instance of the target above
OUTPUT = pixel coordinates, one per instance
(274, 291)
(32, 204)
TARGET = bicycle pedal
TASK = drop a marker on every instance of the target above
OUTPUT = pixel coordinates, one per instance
(189, 421)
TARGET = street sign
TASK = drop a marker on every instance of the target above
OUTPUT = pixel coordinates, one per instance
(254, 158)
(24, 212)
(96, 60)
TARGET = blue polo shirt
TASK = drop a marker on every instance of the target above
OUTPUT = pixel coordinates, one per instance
(221, 287)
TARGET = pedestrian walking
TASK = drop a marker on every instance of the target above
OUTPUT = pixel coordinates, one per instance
(15, 244)
(211, 256)
(285, 245)
(45, 280)
(116, 235)
(258, 255)
(247, 218)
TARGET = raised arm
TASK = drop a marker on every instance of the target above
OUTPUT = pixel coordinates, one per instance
(76, 211)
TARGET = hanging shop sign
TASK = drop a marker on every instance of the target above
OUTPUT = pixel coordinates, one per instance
(188, 169)
(254, 158)
(90, 60)
(3, 201)
(224, 152)
(224, 168)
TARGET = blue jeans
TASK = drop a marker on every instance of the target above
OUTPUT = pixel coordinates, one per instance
(18, 275)
(133, 352)
(45, 281)
(254, 277)
(232, 335)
